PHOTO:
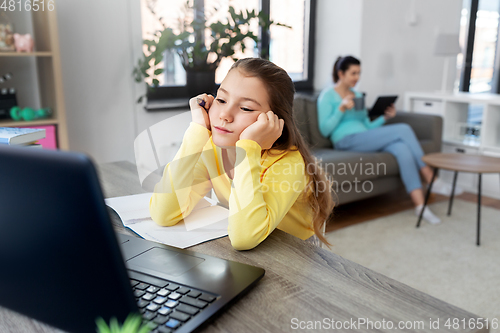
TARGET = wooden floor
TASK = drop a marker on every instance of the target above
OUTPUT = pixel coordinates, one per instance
(387, 204)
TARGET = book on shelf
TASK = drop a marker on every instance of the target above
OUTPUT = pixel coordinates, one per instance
(34, 145)
(50, 140)
(20, 136)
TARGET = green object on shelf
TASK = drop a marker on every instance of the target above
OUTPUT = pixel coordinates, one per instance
(29, 114)
(14, 112)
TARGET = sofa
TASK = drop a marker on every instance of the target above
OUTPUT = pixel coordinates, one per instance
(356, 175)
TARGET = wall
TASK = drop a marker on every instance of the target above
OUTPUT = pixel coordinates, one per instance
(398, 56)
(338, 32)
(96, 55)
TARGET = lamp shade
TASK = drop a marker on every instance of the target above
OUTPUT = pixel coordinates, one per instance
(447, 45)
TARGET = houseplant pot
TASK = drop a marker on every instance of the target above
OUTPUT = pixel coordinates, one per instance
(199, 82)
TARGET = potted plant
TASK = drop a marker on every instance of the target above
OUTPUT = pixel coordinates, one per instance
(201, 43)
(133, 324)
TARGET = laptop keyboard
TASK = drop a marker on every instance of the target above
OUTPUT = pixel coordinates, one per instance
(169, 306)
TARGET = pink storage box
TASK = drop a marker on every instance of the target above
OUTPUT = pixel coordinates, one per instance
(50, 141)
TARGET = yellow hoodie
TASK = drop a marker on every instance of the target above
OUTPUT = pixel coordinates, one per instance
(267, 191)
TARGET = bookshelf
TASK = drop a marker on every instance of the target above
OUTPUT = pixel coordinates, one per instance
(456, 109)
(25, 54)
(37, 75)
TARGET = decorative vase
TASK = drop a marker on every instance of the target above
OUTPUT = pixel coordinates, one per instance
(199, 82)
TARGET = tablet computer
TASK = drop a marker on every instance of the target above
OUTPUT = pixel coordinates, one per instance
(381, 104)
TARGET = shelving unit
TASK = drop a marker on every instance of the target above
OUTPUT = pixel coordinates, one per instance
(25, 54)
(454, 109)
(46, 90)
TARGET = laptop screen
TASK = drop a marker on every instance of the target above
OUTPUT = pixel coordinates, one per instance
(59, 255)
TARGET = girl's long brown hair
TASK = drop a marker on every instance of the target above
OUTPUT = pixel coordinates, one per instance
(281, 90)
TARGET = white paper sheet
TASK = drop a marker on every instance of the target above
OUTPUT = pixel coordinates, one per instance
(207, 221)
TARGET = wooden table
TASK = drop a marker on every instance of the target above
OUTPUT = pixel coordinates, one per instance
(461, 163)
(303, 284)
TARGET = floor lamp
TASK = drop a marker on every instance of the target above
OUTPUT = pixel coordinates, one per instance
(446, 46)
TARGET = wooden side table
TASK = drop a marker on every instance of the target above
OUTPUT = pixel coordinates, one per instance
(460, 163)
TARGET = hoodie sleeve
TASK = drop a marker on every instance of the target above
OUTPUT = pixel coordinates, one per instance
(185, 180)
(256, 207)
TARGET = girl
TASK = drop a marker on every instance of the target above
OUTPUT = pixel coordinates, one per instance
(244, 144)
(349, 129)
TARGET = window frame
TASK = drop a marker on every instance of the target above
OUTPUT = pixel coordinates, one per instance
(466, 71)
(175, 92)
(465, 75)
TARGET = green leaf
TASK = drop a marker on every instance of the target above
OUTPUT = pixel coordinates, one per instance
(102, 327)
(131, 324)
(114, 326)
(156, 83)
(283, 25)
(158, 59)
(145, 328)
(158, 71)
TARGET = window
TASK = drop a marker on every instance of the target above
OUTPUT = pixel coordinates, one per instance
(479, 27)
(292, 49)
(479, 67)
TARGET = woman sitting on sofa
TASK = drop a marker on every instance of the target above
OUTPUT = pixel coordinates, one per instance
(351, 129)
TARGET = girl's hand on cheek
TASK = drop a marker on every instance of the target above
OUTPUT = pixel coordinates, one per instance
(199, 109)
(265, 131)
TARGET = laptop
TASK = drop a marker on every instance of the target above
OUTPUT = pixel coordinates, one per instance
(63, 264)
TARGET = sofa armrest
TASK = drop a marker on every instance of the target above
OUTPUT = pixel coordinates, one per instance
(428, 128)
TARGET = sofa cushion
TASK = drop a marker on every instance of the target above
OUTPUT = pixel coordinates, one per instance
(305, 111)
(428, 128)
(345, 193)
(351, 166)
(317, 140)
(428, 146)
(301, 118)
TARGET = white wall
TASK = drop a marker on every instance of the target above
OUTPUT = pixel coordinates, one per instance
(101, 40)
(96, 55)
(338, 32)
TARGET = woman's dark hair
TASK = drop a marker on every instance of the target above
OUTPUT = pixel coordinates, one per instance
(281, 91)
(343, 64)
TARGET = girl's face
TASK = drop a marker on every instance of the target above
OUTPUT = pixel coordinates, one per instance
(239, 102)
(351, 76)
